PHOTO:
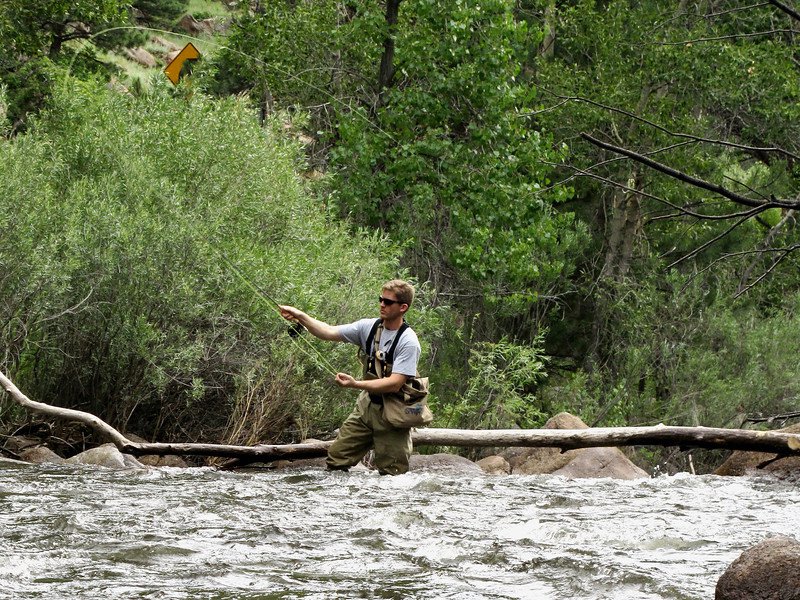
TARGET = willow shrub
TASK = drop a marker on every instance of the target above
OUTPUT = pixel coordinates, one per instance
(119, 218)
(690, 356)
(500, 389)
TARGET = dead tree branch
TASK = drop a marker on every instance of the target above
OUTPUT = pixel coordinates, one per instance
(785, 8)
(65, 414)
(678, 134)
(691, 180)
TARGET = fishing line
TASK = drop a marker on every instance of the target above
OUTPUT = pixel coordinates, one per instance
(240, 53)
(310, 350)
(275, 305)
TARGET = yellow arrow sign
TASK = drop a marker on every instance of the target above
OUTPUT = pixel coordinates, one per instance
(173, 69)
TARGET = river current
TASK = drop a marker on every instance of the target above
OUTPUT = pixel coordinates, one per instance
(71, 532)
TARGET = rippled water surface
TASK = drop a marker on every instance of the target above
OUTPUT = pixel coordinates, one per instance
(77, 532)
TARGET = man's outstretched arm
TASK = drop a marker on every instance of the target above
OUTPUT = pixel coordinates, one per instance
(316, 327)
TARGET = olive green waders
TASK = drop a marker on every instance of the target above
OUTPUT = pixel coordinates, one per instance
(364, 429)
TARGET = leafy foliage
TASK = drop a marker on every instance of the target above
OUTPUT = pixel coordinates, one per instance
(450, 161)
(120, 219)
(468, 163)
(500, 391)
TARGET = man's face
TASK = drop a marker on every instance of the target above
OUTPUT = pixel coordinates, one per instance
(390, 307)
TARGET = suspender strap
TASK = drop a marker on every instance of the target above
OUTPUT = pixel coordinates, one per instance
(371, 347)
(389, 358)
(371, 337)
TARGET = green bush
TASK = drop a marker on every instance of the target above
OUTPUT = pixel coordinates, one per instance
(501, 386)
(119, 219)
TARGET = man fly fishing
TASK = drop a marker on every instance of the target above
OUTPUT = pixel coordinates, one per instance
(391, 351)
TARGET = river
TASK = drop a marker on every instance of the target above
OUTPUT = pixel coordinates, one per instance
(69, 532)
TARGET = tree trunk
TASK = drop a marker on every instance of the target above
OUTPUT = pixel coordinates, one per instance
(548, 47)
(783, 444)
(624, 229)
(386, 72)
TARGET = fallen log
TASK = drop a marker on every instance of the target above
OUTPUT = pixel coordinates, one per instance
(67, 414)
(782, 444)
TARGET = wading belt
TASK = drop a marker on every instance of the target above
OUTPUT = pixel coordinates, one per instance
(377, 361)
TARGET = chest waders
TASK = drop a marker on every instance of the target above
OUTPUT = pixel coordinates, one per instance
(366, 427)
(378, 364)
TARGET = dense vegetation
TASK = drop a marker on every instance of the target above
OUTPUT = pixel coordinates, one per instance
(598, 201)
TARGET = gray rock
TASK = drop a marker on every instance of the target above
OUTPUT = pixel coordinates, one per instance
(169, 460)
(107, 456)
(141, 56)
(767, 571)
(580, 463)
(751, 463)
(40, 454)
(601, 462)
(300, 463)
(166, 44)
(18, 443)
(154, 460)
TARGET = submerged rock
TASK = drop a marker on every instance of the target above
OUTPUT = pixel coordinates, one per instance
(767, 571)
(601, 462)
(299, 463)
(494, 465)
(155, 460)
(452, 463)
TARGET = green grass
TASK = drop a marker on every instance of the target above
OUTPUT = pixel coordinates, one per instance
(211, 8)
(207, 45)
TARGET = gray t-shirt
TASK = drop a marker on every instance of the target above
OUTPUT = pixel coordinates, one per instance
(406, 355)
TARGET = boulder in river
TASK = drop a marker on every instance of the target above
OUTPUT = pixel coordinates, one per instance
(601, 462)
(580, 463)
(494, 465)
(451, 463)
(106, 455)
(40, 454)
(767, 571)
(154, 460)
(751, 463)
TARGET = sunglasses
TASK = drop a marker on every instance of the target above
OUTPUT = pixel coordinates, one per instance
(387, 301)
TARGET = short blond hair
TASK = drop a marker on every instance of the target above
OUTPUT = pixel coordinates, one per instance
(402, 290)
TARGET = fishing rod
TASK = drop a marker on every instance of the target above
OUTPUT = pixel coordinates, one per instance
(295, 330)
